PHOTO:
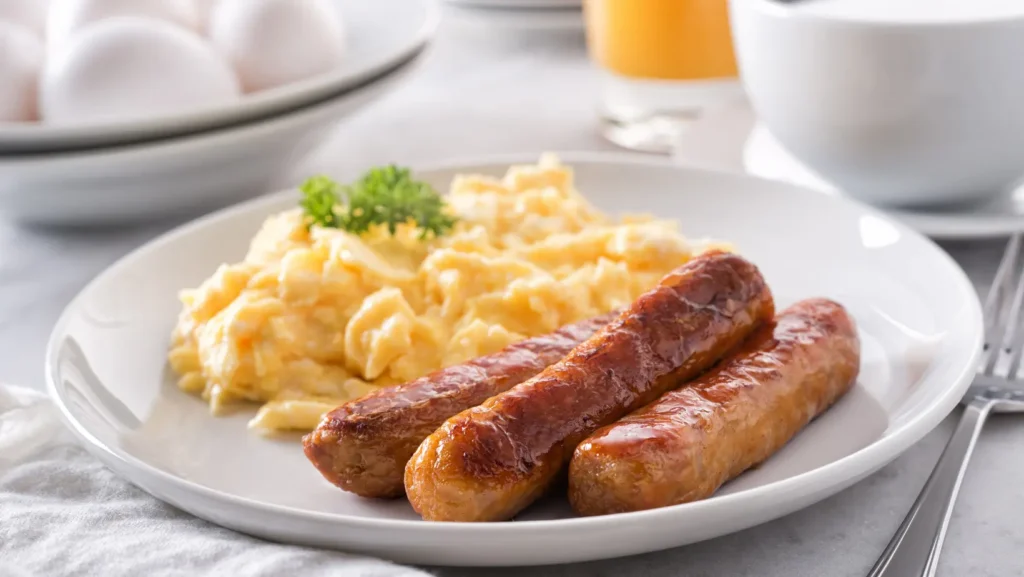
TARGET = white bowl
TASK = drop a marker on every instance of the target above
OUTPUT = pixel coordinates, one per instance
(897, 113)
(177, 175)
(380, 35)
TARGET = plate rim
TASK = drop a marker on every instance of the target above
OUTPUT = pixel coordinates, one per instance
(549, 19)
(26, 139)
(211, 139)
(852, 466)
(522, 5)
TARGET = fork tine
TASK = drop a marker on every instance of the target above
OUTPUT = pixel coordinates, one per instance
(996, 324)
(1017, 344)
(1011, 334)
(1002, 275)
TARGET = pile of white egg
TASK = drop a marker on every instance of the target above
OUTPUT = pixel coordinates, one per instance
(87, 61)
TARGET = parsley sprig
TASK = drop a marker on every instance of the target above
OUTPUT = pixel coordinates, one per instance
(385, 195)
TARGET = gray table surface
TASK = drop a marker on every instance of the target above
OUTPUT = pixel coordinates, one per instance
(482, 92)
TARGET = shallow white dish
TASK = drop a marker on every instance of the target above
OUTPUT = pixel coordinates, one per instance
(520, 4)
(1003, 215)
(380, 36)
(918, 314)
(188, 173)
(536, 19)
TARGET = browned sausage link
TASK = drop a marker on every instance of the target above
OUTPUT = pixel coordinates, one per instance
(685, 445)
(362, 446)
(489, 462)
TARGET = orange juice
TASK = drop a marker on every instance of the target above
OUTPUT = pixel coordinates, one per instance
(661, 39)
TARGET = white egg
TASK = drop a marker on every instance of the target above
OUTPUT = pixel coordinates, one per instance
(129, 68)
(204, 8)
(69, 16)
(274, 42)
(28, 13)
(21, 56)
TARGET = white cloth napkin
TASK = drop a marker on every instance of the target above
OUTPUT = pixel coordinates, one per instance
(62, 513)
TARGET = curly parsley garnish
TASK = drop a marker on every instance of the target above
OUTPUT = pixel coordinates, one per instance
(386, 195)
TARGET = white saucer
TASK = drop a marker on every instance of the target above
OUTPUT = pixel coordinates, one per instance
(765, 157)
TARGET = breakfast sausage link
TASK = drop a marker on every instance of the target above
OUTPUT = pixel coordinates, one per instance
(491, 461)
(363, 446)
(684, 446)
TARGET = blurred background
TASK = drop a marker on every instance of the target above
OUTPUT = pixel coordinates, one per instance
(118, 111)
(120, 119)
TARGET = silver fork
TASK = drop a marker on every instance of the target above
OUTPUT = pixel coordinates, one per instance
(914, 549)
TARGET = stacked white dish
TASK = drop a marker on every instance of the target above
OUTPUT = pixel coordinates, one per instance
(115, 171)
(525, 15)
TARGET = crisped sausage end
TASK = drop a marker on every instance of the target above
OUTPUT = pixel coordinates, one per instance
(363, 446)
(684, 446)
(489, 462)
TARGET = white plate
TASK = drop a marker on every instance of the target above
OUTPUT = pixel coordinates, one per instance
(918, 314)
(547, 19)
(381, 34)
(520, 4)
(764, 156)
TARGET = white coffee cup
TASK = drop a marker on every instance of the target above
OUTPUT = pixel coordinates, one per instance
(893, 107)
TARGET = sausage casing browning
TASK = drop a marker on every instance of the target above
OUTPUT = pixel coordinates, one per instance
(684, 446)
(489, 462)
(363, 446)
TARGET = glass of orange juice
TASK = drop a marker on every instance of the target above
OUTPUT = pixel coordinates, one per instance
(662, 63)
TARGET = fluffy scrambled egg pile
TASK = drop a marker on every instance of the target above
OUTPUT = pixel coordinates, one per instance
(315, 317)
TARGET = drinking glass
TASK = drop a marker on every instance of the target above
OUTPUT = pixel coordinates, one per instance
(662, 62)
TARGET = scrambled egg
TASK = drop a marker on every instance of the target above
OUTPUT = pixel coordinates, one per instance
(313, 318)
